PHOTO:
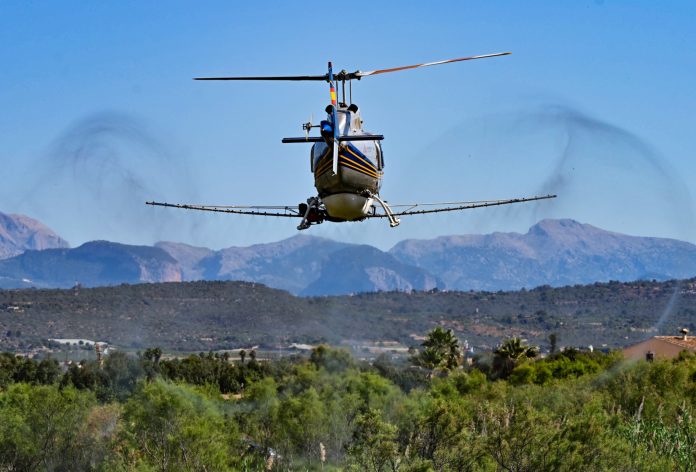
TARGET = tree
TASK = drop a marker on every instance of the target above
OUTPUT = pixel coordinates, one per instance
(509, 354)
(242, 355)
(175, 427)
(303, 425)
(374, 447)
(47, 371)
(333, 360)
(40, 425)
(123, 372)
(553, 343)
(441, 350)
(262, 419)
(150, 361)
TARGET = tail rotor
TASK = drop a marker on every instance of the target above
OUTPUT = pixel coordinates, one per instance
(307, 127)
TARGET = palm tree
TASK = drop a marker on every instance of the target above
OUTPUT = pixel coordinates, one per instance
(441, 350)
(511, 353)
(242, 355)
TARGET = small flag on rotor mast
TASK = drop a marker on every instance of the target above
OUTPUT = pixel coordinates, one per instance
(333, 94)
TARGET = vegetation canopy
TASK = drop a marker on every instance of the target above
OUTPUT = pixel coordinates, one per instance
(573, 410)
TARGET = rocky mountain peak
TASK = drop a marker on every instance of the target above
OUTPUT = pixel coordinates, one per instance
(19, 233)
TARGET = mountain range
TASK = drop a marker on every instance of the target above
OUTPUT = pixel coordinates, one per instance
(553, 252)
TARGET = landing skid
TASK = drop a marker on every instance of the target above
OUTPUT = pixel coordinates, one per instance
(393, 221)
(314, 213)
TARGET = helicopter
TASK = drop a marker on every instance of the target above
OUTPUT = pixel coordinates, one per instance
(347, 162)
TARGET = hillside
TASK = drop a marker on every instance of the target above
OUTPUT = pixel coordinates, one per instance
(221, 315)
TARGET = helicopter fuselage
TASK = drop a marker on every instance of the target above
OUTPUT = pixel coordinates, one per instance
(349, 194)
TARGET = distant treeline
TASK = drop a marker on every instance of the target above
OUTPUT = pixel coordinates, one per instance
(572, 410)
(203, 316)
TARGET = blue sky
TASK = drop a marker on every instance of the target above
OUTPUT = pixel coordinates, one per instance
(596, 103)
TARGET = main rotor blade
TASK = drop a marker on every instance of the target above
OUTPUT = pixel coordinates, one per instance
(360, 74)
(270, 77)
(349, 75)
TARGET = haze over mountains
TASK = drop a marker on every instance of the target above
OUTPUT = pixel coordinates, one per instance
(552, 252)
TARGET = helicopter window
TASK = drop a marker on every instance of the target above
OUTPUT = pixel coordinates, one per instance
(380, 156)
(344, 120)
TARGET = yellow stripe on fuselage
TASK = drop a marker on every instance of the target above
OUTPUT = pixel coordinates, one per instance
(323, 168)
(368, 163)
(358, 167)
(350, 165)
(367, 168)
